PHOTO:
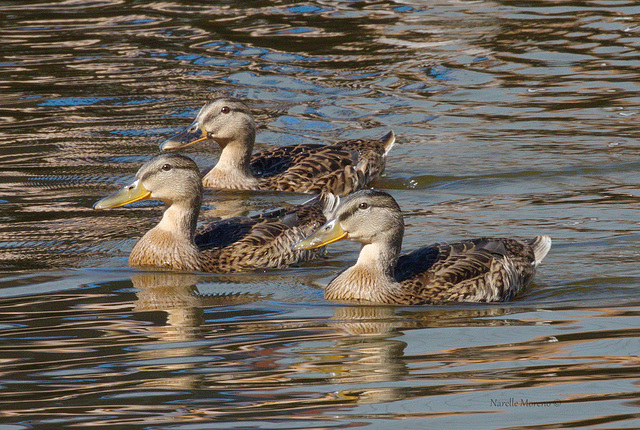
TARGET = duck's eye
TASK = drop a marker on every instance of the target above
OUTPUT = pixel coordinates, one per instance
(363, 205)
(166, 167)
(225, 109)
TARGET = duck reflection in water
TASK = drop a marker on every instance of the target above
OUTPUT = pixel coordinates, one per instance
(236, 346)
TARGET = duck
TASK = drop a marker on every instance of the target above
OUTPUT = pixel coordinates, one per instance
(474, 270)
(234, 244)
(340, 168)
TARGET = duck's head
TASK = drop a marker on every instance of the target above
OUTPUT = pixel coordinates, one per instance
(366, 216)
(223, 119)
(170, 178)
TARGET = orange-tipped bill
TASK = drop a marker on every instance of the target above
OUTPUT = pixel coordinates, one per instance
(328, 233)
(186, 137)
(129, 194)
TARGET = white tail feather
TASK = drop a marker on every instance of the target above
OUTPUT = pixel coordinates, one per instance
(331, 202)
(541, 246)
(391, 140)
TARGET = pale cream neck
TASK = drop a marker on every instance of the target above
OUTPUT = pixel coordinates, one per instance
(371, 278)
(232, 170)
(170, 243)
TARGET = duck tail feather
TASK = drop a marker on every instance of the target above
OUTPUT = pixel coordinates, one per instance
(541, 246)
(388, 140)
(330, 202)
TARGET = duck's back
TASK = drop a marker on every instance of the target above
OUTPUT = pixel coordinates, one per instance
(478, 270)
(263, 241)
(340, 168)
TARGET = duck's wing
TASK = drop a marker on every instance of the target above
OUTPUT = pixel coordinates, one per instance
(373, 153)
(479, 270)
(262, 241)
(308, 169)
(221, 234)
(340, 168)
(275, 161)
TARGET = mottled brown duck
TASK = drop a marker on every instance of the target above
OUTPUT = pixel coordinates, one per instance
(477, 270)
(231, 245)
(340, 168)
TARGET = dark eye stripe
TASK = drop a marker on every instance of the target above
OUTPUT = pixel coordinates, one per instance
(211, 115)
(347, 214)
(146, 175)
(234, 109)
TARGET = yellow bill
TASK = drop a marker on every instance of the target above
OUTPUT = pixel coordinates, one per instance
(186, 137)
(328, 233)
(129, 194)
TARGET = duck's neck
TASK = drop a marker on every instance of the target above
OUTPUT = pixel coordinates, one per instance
(170, 243)
(371, 278)
(233, 168)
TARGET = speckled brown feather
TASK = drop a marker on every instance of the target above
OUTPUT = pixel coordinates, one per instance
(263, 241)
(479, 270)
(232, 245)
(475, 270)
(340, 168)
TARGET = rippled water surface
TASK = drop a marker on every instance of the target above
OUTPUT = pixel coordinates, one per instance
(513, 119)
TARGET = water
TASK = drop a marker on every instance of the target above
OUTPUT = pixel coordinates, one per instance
(512, 119)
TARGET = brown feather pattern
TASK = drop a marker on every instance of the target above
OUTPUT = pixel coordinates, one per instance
(231, 245)
(340, 168)
(264, 241)
(477, 270)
